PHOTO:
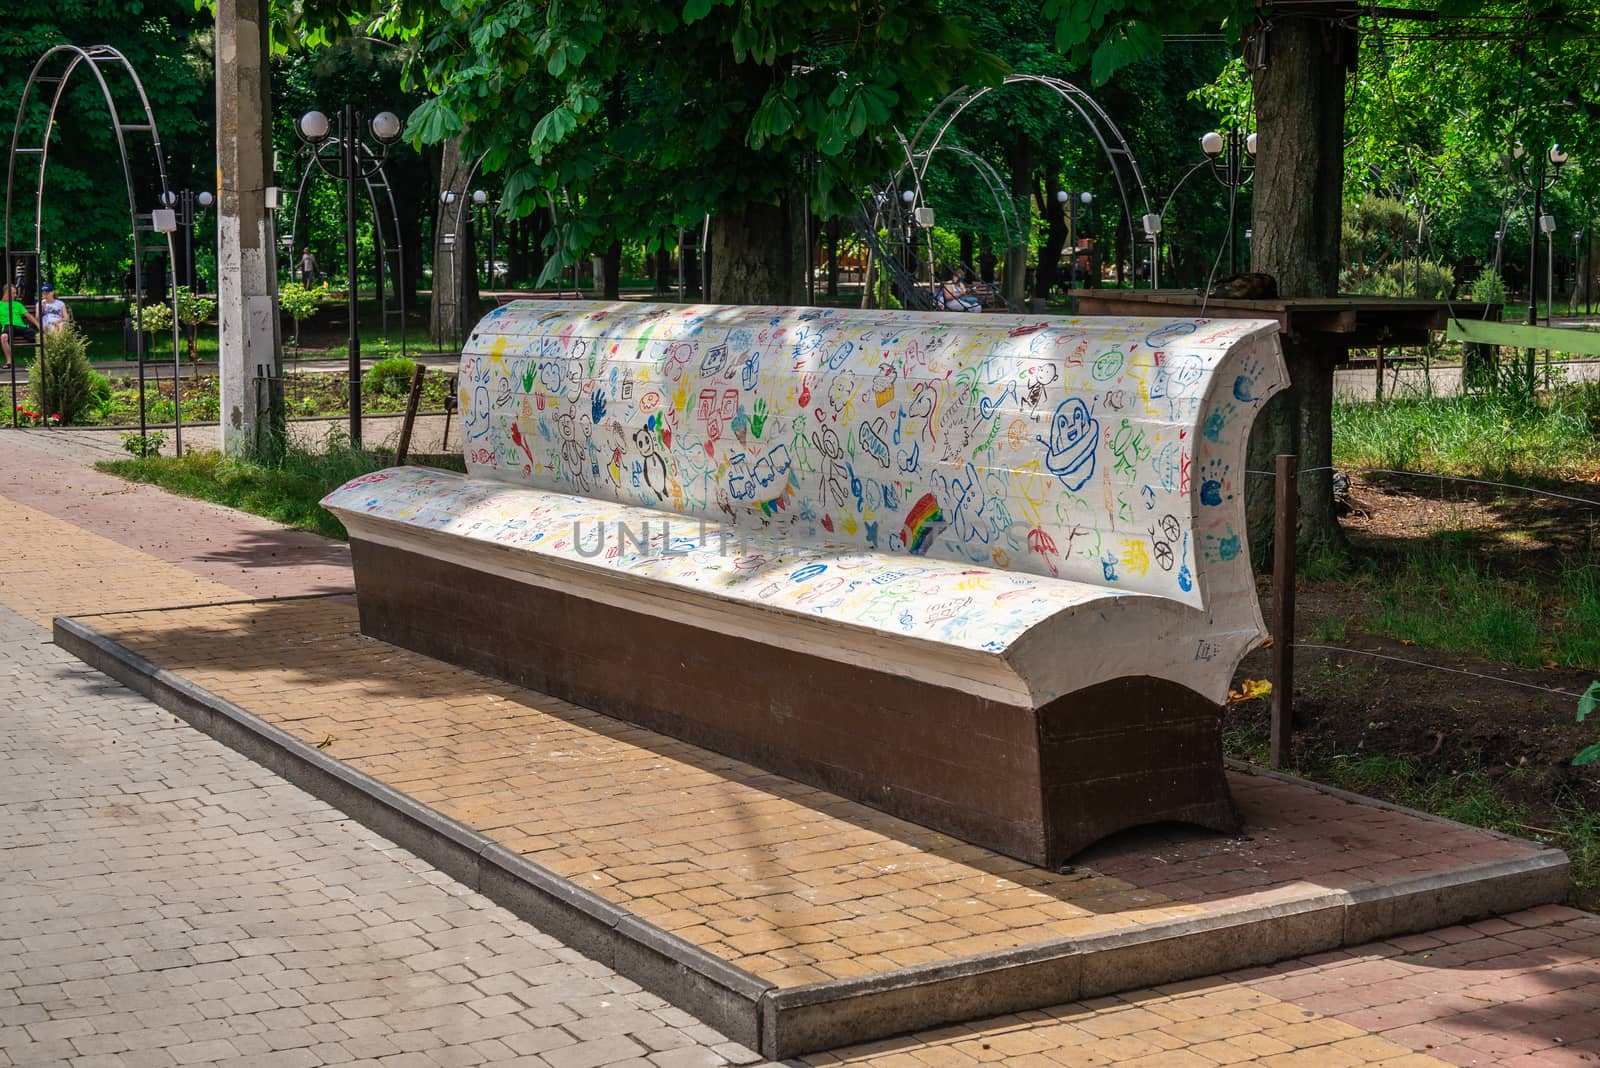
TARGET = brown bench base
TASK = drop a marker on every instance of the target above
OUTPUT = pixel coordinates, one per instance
(1039, 785)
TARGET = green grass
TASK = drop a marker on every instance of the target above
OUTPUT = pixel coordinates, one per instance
(1494, 436)
(1445, 593)
(287, 492)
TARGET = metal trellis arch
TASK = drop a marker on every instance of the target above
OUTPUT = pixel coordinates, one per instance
(390, 245)
(929, 138)
(47, 84)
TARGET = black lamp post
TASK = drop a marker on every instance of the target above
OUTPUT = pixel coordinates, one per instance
(1538, 175)
(188, 204)
(485, 208)
(1233, 162)
(339, 152)
(1076, 206)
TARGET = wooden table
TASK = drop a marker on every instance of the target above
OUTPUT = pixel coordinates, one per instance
(1342, 323)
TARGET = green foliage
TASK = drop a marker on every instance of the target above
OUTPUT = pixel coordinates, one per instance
(1111, 34)
(1587, 704)
(61, 382)
(1487, 288)
(193, 309)
(298, 301)
(390, 377)
(142, 445)
(288, 491)
(1491, 436)
(85, 208)
(1416, 278)
(723, 101)
(154, 318)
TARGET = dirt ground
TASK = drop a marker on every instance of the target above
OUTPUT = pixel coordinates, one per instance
(1499, 721)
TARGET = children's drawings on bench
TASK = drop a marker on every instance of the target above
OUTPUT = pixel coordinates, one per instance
(1061, 449)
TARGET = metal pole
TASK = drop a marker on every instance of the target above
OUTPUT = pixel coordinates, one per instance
(187, 222)
(1533, 269)
(1283, 575)
(347, 149)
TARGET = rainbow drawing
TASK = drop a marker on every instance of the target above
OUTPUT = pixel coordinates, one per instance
(922, 523)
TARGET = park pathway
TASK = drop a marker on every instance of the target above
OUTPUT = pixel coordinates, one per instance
(164, 901)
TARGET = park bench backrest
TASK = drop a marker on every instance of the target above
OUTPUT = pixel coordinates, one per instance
(1103, 450)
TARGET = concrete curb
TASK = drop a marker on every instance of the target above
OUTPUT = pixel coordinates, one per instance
(787, 1022)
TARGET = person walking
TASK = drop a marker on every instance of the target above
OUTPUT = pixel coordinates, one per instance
(308, 268)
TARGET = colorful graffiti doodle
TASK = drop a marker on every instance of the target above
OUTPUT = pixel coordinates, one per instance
(1060, 448)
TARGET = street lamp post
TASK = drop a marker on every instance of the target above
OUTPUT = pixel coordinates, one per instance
(1535, 177)
(1232, 157)
(1074, 206)
(339, 152)
(186, 204)
(485, 209)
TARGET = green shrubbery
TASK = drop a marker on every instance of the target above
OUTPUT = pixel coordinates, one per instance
(61, 382)
(391, 377)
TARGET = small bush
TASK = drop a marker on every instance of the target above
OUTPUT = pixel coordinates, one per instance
(101, 402)
(61, 382)
(391, 376)
(299, 303)
(141, 445)
(1487, 288)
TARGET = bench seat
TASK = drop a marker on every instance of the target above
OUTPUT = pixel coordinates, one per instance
(984, 573)
(996, 634)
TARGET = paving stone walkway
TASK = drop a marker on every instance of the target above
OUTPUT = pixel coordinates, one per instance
(786, 881)
(164, 901)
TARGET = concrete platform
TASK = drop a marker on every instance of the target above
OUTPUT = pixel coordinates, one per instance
(790, 919)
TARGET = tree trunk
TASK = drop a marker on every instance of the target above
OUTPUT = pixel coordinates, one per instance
(447, 322)
(1020, 156)
(613, 270)
(1055, 239)
(1299, 83)
(968, 246)
(986, 259)
(758, 254)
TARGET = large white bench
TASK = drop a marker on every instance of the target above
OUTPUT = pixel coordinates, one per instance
(988, 573)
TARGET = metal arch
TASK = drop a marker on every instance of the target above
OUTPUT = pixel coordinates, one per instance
(991, 179)
(98, 57)
(1105, 131)
(378, 221)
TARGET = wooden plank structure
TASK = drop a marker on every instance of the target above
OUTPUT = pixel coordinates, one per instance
(1341, 323)
(1523, 336)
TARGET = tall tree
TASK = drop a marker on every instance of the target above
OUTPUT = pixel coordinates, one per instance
(721, 103)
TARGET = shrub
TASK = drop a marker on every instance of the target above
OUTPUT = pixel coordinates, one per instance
(1487, 288)
(1424, 278)
(141, 445)
(61, 382)
(298, 303)
(193, 311)
(155, 318)
(391, 376)
(101, 402)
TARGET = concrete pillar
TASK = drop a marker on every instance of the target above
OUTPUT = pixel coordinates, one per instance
(251, 352)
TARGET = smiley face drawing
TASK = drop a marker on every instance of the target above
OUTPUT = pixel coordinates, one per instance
(1074, 434)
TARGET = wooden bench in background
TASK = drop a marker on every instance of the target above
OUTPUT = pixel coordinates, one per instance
(987, 573)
